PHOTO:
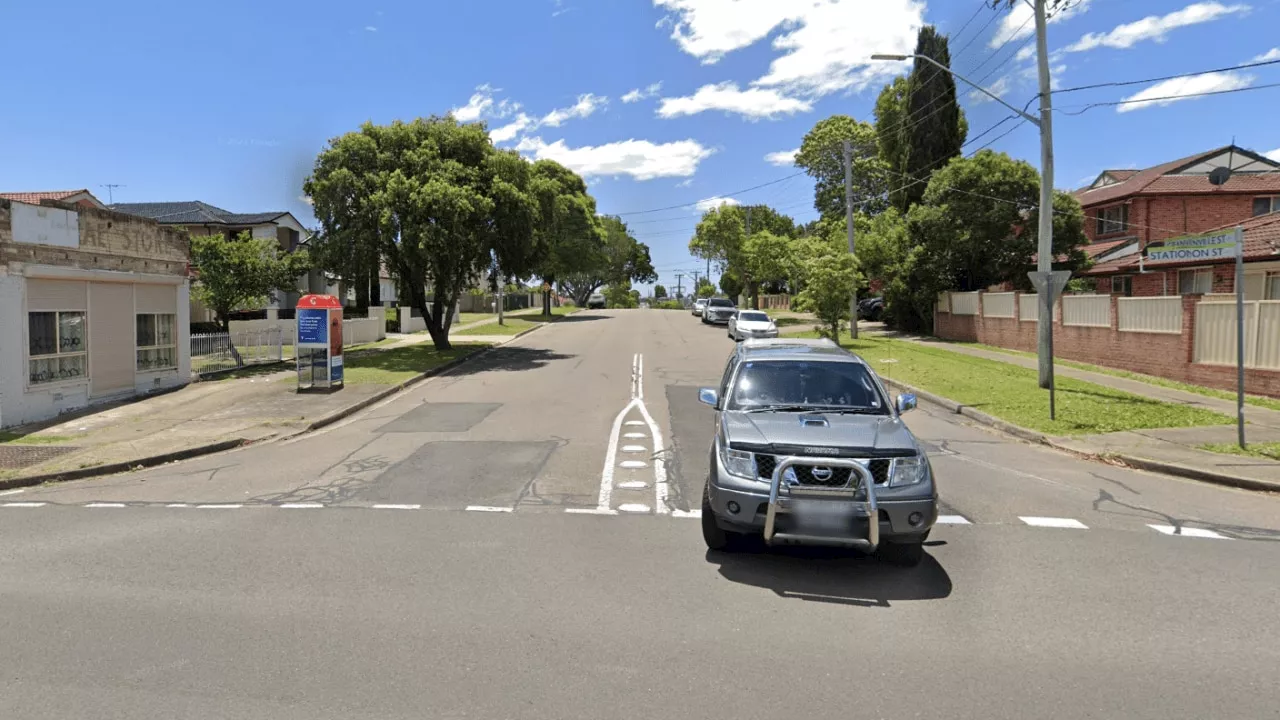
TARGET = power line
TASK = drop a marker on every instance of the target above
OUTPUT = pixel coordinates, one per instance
(694, 203)
(1114, 103)
(977, 34)
(1122, 83)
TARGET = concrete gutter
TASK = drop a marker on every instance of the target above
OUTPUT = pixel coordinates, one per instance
(224, 445)
(1167, 468)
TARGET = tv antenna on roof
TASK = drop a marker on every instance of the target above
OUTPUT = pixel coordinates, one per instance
(111, 200)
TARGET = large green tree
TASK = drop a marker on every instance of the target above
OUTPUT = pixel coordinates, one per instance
(436, 200)
(619, 260)
(822, 157)
(722, 237)
(567, 230)
(243, 271)
(828, 274)
(933, 133)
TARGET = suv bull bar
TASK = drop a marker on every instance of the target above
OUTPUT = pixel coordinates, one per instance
(860, 479)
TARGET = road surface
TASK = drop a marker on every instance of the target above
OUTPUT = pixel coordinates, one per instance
(518, 539)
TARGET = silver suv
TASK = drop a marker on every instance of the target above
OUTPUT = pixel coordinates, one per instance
(808, 449)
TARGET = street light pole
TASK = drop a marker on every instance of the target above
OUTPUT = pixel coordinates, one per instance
(1046, 281)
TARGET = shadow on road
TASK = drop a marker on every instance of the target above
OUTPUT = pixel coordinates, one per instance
(829, 575)
(510, 358)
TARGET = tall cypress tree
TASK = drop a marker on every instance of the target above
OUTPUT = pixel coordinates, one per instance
(932, 133)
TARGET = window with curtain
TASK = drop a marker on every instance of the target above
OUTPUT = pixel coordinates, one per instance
(1113, 219)
(157, 349)
(1195, 282)
(56, 346)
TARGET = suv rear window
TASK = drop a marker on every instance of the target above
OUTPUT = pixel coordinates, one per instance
(788, 382)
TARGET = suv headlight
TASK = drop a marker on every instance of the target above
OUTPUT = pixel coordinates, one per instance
(738, 462)
(908, 471)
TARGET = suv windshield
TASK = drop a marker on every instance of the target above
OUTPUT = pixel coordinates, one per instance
(825, 384)
(719, 302)
(753, 317)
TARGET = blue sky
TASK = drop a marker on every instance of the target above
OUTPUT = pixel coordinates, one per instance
(229, 103)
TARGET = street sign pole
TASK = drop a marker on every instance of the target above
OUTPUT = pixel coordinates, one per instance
(1048, 286)
(1240, 336)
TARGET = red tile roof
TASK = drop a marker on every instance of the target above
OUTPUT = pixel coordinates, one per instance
(34, 198)
(1156, 181)
(1093, 250)
(1261, 242)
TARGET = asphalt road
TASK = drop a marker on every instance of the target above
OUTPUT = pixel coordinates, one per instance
(514, 540)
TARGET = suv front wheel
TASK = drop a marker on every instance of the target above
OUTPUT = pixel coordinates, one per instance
(716, 537)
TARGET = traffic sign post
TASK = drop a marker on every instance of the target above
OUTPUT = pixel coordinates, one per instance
(1049, 285)
(1213, 246)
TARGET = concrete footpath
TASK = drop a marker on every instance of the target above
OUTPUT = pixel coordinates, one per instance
(1169, 450)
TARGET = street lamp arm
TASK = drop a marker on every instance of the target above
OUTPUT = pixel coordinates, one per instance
(1030, 118)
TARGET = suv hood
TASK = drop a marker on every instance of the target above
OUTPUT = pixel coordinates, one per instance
(842, 435)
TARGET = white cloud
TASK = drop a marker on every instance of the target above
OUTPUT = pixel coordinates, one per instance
(1018, 24)
(476, 106)
(370, 28)
(1272, 54)
(1178, 87)
(714, 202)
(510, 131)
(306, 199)
(640, 159)
(754, 103)
(637, 95)
(1155, 27)
(689, 181)
(1273, 155)
(825, 45)
(586, 105)
(999, 88)
(782, 158)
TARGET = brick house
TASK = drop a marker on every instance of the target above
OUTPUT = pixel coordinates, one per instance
(1127, 210)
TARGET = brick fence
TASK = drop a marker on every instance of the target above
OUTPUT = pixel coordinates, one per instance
(1165, 354)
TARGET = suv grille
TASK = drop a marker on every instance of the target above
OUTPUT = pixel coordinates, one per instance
(879, 467)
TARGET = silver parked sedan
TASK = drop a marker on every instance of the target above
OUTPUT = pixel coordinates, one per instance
(751, 324)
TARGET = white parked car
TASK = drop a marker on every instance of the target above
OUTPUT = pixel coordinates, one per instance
(698, 306)
(751, 324)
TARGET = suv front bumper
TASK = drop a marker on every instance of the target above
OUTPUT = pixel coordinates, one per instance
(894, 515)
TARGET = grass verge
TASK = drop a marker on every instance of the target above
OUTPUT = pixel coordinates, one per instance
(1013, 394)
(1269, 451)
(392, 367)
(1255, 400)
(11, 438)
(511, 325)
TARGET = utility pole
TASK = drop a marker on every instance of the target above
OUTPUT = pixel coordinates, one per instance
(1044, 257)
(848, 220)
(745, 275)
(679, 278)
(111, 195)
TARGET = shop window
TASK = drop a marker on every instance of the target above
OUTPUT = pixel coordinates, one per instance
(157, 349)
(56, 346)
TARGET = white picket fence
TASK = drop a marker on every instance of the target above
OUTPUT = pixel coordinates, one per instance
(356, 331)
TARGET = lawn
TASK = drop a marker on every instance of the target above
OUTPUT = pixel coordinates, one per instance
(1012, 393)
(1269, 451)
(1255, 400)
(391, 367)
(512, 324)
(12, 438)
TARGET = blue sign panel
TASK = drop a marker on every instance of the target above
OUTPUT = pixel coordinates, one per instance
(335, 369)
(313, 327)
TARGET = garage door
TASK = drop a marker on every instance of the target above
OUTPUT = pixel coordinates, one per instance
(111, 349)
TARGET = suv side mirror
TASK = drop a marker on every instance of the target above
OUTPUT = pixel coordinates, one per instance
(708, 396)
(906, 402)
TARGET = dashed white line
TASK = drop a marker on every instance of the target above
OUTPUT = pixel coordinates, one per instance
(591, 511)
(611, 458)
(659, 461)
(489, 508)
(633, 485)
(13, 492)
(300, 506)
(634, 436)
(23, 504)
(177, 505)
(1188, 532)
(219, 506)
(633, 423)
(104, 505)
(397, 507)
(687, 513)
(634, 448)
(632, 464)
(953, 520)
(1054, 522)
(633, 508)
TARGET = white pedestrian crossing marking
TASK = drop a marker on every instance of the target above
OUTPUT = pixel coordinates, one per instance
(1054, 522)
(1188, 532)
(489, 508)
(953, 520)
